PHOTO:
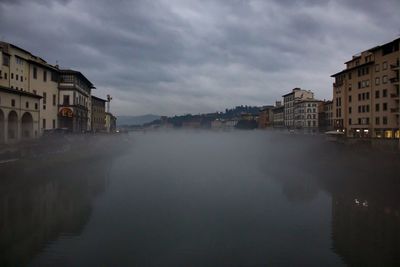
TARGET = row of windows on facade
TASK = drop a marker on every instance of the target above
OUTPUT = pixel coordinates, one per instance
(363, 96)
(79, 100)
(302, 117)
(365, 121)
(21, 78)
(309, 110)
(27, 105)
(363, 71)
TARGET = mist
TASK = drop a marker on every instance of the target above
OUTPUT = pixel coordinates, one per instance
(202, 198)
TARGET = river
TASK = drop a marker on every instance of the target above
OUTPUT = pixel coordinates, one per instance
(203, 198)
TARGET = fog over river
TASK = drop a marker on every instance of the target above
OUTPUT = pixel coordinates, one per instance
(203, 198)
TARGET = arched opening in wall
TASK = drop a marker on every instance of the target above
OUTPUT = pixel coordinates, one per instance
(27, 126)
(2, 118)
(12, 125)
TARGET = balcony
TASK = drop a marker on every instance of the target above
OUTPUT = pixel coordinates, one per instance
(394, 95)
(395, 66)
(394, 110)
(394, 80)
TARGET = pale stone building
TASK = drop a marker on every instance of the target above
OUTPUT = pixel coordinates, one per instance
(23, 71)
(289, 101)
(19, 115)
(306, 114)
(74, 96)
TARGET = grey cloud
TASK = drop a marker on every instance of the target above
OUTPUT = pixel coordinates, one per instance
(180, 56)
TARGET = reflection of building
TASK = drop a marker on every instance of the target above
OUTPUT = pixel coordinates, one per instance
(22, 71)
(19, 115)
(306, 114)
(366, 93)
(366, 232)
(98, 115)
(75, 91)
(59, 201)
(289, 101)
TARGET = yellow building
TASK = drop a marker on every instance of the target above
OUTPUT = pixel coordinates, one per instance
(23, 71)
(19, 115)
(366, 93)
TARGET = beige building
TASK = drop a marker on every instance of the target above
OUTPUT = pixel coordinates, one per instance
(289, 101)
(98, 116)
(74, 96)
(19, 115)
(110, 123)
(366, 93)
(23, 71)
(278, 120)
(325, 116)
(306, 114)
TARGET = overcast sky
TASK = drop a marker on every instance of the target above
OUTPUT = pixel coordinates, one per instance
(184, 56)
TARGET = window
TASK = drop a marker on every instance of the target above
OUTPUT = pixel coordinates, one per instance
(44, 75)
(349, 75)
(385, 79)
(377, 81)
(12, 75)
(384, 65)
(36, 106)
(16, 77)
(66, 100)
(384, 120)
(54, 76)
(349, 110)
(359, 109)
(5, 76)
(384, 106)
(13, 102)
(367, 108)
(27, 104)
(6, 60)
(377, 94)
(384, 93)
(377, 120)
(349, 98)
(377, 67)
(54, 124)
(376, 107)
(22, 78)
(367, 95)
(34, 73)
(349, 121)
(44, 98)
(44, 124)
(54, 100)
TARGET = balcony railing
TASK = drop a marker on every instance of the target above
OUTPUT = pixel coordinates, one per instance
(394, 80)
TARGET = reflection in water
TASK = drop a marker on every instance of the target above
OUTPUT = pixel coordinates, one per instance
(207, 199)
(42, 204)
(366, 223)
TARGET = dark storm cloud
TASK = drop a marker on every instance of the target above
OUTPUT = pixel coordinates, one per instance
(179, 56)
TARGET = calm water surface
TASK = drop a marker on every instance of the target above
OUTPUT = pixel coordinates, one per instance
(206, 199)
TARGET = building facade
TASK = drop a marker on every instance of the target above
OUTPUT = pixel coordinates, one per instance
(19, 115)
(278, 113)
(98, 116)
(306, 114)
(74, 96)
(265, 118)
(110, 123)
(366, 93)
(23, 71)
(325, 116)
(289, 101)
